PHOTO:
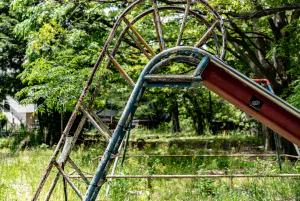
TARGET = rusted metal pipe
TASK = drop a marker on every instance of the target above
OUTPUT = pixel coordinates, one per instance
(162, 8)
(186, 13)
(138, 44)
(101, 131)
(158, 27)
(64, 184)
(68, 180)
(192, 176)
(80, 173)
(48, 196)
(213, 155)
(143, 41)
(208, 33)
(100, 123)
(207, 155)
(172, 78)
(121, 70)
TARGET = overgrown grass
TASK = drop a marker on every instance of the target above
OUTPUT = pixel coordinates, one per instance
(165, 134)
(21, 172)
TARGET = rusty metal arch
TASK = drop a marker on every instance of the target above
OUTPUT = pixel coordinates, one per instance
(142, 14)
(129, 26)
(67, 141)
(211, 71)
(175, 8)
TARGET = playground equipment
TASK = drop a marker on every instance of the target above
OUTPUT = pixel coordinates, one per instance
(203, 53)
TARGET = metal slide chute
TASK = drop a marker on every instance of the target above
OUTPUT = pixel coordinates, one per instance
(253, 99)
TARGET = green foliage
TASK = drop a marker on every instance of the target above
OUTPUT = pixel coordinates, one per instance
(295, 97)
(29, 165)
(264, 45)
(294, 93)
(4, 143)
(63, 42)
(26, 138)
(11, 53)
(3, 120)
(44, 146)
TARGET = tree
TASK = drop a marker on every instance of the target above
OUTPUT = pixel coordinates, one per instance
(12, 52)
(64, 40)
(264, 36)
(3, 120)
(62, 44)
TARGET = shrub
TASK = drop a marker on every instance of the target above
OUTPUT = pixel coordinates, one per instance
(3, 120)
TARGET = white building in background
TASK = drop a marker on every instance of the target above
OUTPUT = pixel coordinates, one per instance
(17, 113)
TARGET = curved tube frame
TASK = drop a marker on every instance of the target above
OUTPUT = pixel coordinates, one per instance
(130, 107)
(116, 142)
(128, 112)
(181, 9)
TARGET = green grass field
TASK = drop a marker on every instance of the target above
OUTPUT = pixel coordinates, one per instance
(21, 172)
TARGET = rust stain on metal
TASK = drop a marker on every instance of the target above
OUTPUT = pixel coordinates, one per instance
(143, 41)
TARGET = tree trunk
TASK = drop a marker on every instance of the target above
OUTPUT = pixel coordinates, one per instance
(269, 138)
(210, 108)
(287, 146)
(200, 127)
(175, 119)
(267, 57)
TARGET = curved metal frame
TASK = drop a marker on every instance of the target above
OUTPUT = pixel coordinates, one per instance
(176, 8)
(115, 141)
(184, 54)
(130, 107)
(118, 135)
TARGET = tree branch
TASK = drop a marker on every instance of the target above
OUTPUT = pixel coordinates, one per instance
(258, 33)
(264, 12)
(170, 2)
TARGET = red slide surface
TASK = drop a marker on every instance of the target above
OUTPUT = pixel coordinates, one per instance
(253, 99)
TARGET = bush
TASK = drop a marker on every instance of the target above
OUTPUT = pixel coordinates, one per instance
(3, 120)
(4, 143)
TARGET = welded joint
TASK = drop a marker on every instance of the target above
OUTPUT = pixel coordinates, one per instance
(128, 127)
(196, 84)
(124, 128)
(201, 66)
(110, 151)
